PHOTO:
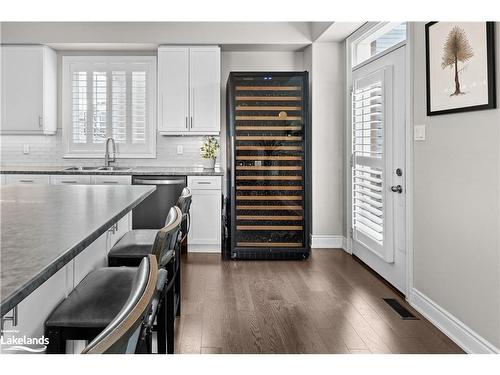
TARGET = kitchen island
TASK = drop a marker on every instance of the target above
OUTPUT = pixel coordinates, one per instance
(48, 231)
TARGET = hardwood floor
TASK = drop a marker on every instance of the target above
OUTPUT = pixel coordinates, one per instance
(327, 304)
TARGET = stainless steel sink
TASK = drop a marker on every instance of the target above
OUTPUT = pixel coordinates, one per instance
(81, 169)
(114, 169)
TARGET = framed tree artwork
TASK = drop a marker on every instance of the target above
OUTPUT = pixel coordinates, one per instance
(460, 63)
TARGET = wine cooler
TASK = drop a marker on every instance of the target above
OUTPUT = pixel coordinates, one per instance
(267, 208)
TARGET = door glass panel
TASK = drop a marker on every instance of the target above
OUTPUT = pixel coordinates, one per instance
(385, 36)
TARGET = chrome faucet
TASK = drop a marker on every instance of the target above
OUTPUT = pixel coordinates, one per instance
(107, 159)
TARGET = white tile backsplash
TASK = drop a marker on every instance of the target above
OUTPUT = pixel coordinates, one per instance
(48, 150)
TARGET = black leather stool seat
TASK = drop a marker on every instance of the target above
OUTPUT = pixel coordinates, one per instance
(96, 301)
(132, 247)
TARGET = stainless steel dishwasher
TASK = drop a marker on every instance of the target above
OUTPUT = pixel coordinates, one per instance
(152, 212)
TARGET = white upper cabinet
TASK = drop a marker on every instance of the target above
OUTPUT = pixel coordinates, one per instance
(204, 78)
(29, 90)
(189, 90)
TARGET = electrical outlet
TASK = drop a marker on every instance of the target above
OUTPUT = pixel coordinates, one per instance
(180, 150)
(26, 148)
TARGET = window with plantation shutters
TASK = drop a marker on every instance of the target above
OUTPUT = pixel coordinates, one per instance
(109, 96)
(369, 117)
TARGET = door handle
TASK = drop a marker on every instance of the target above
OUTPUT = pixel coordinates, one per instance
(397, 189)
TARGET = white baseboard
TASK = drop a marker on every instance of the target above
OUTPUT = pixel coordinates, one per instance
(328, 242)
(452, 327)
(204, 248)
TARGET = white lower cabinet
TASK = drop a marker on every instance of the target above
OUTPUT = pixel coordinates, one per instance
(118, 230)
(93, 257)
(205, 229)
(27, 179)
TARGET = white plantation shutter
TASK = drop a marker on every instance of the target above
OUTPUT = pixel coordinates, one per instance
(99, 107)
(369, 120)
(79, 107)
(119, 106)
(138, 107)
(109, 96)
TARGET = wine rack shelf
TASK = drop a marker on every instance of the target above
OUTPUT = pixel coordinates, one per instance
(267, 123)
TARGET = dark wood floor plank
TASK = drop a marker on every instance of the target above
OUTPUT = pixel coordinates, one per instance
(327, 304)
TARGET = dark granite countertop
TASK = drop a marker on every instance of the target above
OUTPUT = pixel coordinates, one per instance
(137, 170)
(43, 227)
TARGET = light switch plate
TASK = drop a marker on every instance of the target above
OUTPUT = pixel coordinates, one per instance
(180, 150)
(26, 148)
(419, 133)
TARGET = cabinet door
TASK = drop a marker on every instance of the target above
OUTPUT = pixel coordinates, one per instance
(204, 68)
(205, 218)
(22, 89)
(118, 230)
(173, 89)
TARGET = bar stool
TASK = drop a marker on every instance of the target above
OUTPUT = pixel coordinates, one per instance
(137, 243)
(99, 297)
(126, 332)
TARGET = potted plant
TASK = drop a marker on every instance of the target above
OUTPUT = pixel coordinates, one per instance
(209, 152)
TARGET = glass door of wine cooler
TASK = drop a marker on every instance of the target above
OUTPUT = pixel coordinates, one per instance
(269, 115)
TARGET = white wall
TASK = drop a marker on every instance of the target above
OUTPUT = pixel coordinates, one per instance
(325, 61)
(457, 207)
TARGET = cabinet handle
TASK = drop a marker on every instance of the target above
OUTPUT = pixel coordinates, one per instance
(110, 182)
(69, 182)
(192, 109)
(161, 105)
(204, 182)
(40, 121)
(186, 122)
(26, 181)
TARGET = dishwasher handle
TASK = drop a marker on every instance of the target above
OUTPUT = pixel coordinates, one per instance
(158, 182)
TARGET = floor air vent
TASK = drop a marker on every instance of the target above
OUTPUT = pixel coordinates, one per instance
(400, 309)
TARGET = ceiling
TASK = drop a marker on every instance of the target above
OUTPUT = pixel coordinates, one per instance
(146, 36)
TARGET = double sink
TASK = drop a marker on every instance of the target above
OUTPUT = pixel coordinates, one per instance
(83, 169)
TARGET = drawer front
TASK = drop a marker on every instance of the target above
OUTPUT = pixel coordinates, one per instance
(70, 180)
(112, 180)
(204, 183)
(27, 179)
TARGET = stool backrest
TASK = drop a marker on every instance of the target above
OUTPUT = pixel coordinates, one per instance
(184, 203)
(167, 237)
(123, 332)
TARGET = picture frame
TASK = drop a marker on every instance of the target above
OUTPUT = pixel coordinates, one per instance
(460, 67)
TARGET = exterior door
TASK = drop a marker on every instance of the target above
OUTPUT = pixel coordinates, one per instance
(377, 166)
